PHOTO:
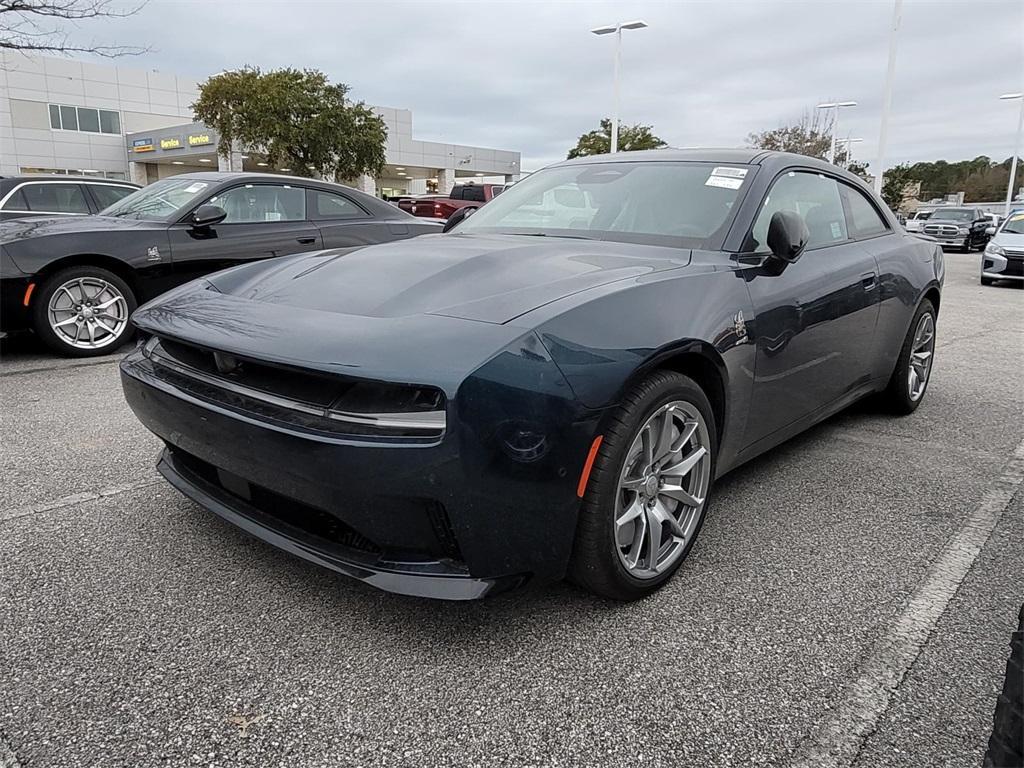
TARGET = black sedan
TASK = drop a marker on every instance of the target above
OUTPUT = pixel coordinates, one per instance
(76, 280)
(552, 387)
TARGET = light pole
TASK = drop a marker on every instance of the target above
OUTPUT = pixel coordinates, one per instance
(617, 29)
(1016, 150)
(834, 106)
(849, 142)
(890, 75)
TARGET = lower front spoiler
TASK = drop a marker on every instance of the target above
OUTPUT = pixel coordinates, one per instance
(237, 512)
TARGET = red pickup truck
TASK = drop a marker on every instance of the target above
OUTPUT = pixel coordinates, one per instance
(443, 206)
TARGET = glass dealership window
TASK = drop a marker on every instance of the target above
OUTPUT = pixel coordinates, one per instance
(87, 119)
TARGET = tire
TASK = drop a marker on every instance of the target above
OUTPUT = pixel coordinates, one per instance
(1006, 744)
(599, 559)
(987, 281)
(897, 396)
(102, 328)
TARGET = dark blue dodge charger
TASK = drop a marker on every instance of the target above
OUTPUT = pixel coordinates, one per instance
(551, 387)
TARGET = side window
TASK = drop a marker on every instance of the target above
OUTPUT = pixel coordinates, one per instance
(16, 202)
(327, 205)
(108, 194)
(55, 198)
(474, 193)
(865, 221)
(262, 203)
(815, 197)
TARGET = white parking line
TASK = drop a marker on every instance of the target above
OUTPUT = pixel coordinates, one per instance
(837, 742)
(75, 498)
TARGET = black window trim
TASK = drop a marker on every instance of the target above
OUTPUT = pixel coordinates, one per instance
(311, 210)
(749, 238)
(847, 188)
(74, 180)
(218, 191)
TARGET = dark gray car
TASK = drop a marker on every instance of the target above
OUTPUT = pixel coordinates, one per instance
(75, 280)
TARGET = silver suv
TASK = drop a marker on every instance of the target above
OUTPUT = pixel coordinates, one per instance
(1003, 258)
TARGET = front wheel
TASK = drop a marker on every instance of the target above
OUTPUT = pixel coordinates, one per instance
(83, 312)
(987, 280)
(909, 380)
(648, 490)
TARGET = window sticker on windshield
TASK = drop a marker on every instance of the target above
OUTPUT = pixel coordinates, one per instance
(197, 187)
(723, 181)
(272, 216)
(732, 173)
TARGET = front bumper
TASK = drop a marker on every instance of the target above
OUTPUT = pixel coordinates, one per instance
(456, 519)
(1010, 267)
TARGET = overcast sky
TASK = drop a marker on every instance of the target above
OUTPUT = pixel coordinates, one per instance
(530, 77)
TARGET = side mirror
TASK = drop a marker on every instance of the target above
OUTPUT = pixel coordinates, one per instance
(787, 236)
(455, 218)
(990, 230)
(208, 215)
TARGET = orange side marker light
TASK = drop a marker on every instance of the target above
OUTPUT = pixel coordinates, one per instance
(582, 487)
(28, 294)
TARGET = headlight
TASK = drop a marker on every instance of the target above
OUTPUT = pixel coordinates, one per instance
(964, 230)
(995, 250)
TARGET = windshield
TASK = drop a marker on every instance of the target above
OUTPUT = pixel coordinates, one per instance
(1015, 224)
(679, 204)
(954, 214)
(160, 200)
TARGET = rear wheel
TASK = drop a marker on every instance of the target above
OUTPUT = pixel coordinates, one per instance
(909, 380)
(83, 312)
(648, 489)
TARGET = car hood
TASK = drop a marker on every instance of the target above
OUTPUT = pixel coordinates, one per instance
(1009, 240)
(491, 279)
(22, 229)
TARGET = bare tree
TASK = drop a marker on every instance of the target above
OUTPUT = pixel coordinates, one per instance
(37, 26)
(811, 136)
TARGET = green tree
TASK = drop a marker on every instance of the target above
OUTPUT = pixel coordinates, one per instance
(297, 118)
(810, 136)
(631, 138)
(894, 185)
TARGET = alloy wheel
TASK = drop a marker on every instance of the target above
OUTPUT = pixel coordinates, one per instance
(88, 313)
(921, 351)
(662, 489)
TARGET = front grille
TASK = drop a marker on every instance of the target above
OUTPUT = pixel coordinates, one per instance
(941, 230)
(310, 400)
(283, 511)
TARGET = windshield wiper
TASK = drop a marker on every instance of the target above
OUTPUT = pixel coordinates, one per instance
(547, 234)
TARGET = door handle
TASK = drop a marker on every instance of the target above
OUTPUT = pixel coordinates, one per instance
(307, 240)
(869, 281)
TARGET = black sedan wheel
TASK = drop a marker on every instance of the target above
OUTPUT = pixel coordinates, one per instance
(648, 489)
(84, 312)
(910, 379)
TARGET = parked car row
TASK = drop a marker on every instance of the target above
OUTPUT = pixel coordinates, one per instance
(75, 280)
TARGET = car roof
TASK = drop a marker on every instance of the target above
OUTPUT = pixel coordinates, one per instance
(247, 175)
(738, 155)
(65, 177)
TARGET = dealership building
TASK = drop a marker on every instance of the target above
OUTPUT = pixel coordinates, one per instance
(81, 117)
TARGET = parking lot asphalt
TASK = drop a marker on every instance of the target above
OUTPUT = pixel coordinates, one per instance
(138, 630)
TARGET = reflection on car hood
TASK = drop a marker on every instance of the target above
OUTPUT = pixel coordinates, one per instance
(486, 278)
(22, 229)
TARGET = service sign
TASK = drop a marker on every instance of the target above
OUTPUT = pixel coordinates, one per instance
(143, 145)
(173, 143)
(198, 139)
